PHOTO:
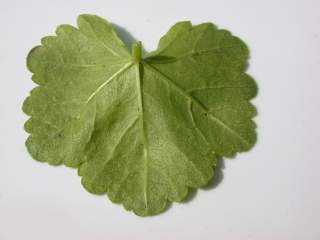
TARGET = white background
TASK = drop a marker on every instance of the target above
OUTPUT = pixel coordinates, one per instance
(272, 192)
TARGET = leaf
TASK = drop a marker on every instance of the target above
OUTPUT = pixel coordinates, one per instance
(143, 131)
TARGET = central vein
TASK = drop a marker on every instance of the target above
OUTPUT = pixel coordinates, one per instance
(136, 51)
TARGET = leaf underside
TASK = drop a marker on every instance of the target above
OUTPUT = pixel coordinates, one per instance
(141, 132)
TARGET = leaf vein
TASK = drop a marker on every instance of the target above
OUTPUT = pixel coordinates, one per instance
(209, 114)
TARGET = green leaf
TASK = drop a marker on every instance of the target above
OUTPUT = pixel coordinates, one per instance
(146, 130)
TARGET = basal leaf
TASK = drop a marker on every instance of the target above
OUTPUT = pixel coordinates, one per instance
(142, 130)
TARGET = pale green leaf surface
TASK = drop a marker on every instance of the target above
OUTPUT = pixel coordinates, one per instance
(143, 132)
